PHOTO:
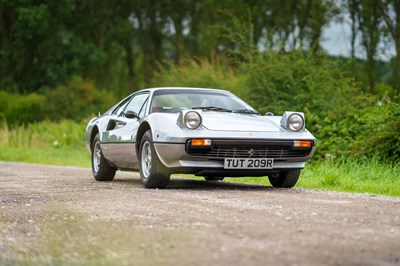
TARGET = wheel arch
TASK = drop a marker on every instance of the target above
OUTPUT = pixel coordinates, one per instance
(93, 134)
(142, 129)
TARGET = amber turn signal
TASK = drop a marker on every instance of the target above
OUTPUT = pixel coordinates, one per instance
(303, 143)
(201, 142)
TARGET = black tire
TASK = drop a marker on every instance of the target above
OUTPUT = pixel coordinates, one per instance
(213, 178)
(285, 179)
(101, 170)
(153, 173)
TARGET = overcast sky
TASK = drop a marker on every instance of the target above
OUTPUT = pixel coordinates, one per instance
(336, 41)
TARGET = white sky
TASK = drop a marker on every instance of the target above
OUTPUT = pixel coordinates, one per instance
(336, 41)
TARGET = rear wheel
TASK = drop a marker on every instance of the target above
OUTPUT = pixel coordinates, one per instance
(101, 170)
(285, 179)
(213, 178)
(153, 173)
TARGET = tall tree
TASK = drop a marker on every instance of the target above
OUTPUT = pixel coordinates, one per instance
(178, 13)
(321, 14)
(369, 16)
(299, 23)
(391, 15)
(352, 7)
(32, 47)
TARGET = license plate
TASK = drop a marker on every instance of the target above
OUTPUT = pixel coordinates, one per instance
(248, 163)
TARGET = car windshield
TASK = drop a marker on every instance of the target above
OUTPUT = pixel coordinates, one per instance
(175, 100)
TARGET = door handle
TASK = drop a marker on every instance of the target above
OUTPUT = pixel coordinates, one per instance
(120, 124)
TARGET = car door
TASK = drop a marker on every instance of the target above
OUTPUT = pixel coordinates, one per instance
(119, 139)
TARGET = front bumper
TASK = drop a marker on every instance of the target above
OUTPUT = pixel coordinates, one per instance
(175, 157)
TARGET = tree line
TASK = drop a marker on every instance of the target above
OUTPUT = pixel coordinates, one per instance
(120, 44)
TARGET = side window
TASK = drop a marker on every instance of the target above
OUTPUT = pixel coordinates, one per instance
(137, 103)
(118, 110)
(141, 113)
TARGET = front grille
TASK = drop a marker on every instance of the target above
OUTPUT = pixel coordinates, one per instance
(251, 149)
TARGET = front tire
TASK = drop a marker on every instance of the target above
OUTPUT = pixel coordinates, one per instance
(285, 179)
(153, 173)
(101, 170)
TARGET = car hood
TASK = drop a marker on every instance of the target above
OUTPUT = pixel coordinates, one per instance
(239, 122)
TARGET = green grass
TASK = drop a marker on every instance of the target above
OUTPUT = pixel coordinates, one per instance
(369, 176)
(64, 144)
(349, 175)
(55, 156)
(46, 142)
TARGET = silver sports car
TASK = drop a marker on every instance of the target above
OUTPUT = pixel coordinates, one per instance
(205, 132)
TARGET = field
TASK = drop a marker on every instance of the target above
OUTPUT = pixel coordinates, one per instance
(63, 144)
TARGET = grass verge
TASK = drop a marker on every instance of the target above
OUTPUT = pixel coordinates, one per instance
(64, 144)
(46, 142)
(370, 176)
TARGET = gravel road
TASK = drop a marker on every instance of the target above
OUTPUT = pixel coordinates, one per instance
(61, 215)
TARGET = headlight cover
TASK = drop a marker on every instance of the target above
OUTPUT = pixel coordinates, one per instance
(192, 120)
(293, 121)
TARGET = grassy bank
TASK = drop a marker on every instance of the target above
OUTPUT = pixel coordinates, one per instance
(369, 176)
(64, 144)
(45, 143)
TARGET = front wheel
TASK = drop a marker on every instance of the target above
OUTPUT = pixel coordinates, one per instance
(153, 173)
(285, 179)
(101, 170)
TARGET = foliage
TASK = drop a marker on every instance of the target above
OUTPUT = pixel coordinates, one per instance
(337, 131)
(117, 44)
(296, 81)
(17, 108)
(368, 128)
(202, 73)
(77, 100)
(379, 133)
(45, 142)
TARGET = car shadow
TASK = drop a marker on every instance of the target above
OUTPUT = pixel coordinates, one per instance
(179, 183)
(192, 184)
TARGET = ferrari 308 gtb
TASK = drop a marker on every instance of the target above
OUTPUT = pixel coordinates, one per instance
(205, 132)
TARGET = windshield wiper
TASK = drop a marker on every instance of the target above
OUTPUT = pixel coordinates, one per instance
(246, 111)
(212, 108)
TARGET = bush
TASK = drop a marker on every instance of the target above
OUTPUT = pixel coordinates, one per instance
(21, 109)
(298, 81)
(77, 100)
(201, 73)
(338, 131)
(380, 132)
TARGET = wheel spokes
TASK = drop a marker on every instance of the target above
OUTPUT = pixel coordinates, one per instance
(96, 157)
(146, 159)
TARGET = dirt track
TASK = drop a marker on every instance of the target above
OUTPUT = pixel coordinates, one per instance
(61, 215)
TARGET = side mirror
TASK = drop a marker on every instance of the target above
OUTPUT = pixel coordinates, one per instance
(131, 114)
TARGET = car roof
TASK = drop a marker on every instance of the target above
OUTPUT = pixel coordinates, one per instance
(183, 88)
